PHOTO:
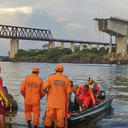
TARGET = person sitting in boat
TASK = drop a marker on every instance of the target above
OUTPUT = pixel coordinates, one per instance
(86, 96)
(74, 89)
(74, 105)
(94, 87)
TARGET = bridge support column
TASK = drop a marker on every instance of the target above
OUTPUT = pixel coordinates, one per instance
(72, 47)
(14, 47)
(51, 44)
(62, 45)
(90, 46)
(121, 45)
(105, 47)
(81, 47)
(98, 47)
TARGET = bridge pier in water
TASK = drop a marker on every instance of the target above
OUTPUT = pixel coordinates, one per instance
(51, 44)
(62, 45)
(98, 47)
(90, 46)
(121, 45)
(72, 47)
(81, 47)
(105, 47)
(14, 47)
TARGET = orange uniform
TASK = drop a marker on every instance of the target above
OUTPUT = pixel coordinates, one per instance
(58, 85)
(32, 90)
(87, 96)
(66, 111)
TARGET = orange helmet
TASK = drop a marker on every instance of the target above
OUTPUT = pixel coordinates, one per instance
(35, 69)
(90, 80)
(59, 67)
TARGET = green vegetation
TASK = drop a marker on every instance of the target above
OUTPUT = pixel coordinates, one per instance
(41, 54)
(1, 57)
(54, 54)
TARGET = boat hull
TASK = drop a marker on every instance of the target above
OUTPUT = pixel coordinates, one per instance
(90, 113)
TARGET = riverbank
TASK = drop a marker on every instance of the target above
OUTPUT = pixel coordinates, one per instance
(65, 55)
(98, 59)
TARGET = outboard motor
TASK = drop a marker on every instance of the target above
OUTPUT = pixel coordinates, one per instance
(102, 95)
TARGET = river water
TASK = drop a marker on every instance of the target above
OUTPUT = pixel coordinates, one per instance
(112, 78)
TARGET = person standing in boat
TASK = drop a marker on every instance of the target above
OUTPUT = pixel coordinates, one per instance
(86, 96)
(59, 89)
(2, 106)
(32, 91)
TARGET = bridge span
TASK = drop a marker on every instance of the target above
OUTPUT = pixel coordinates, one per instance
(15, 33)
(117, 27)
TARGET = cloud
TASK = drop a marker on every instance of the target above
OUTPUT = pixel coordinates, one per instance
(25, 10)
(67, 19)
(71, 26)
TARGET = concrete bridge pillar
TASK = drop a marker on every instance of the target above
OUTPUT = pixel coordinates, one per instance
(105, 47)
(98, 47)
(51, 44)
(62, 45)
(72, 47)
(121, 45)
(14, 47)
(90, 46)
(81, 47)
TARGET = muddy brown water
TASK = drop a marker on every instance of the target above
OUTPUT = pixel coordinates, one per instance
(112, 78)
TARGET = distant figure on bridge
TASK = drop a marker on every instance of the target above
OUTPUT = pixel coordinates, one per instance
(2, 107)
(32, 91)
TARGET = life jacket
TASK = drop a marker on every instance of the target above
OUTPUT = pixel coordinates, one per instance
(92, 87)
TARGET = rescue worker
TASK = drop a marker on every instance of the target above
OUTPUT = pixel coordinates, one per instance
(32, 91)
(86, 96)
(65, 118)
(59, 89)
(93, 86)
(2, 106)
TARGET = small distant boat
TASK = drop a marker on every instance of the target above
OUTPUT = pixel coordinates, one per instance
(90, 113)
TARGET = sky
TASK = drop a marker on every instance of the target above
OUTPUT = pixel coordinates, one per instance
(67, 19)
